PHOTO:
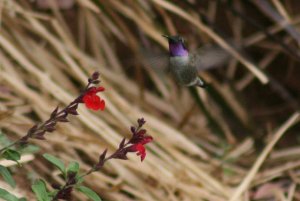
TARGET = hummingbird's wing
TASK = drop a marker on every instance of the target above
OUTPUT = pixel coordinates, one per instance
(155, 61)
(209, 56)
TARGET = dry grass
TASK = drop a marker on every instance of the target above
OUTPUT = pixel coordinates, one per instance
(206, 141)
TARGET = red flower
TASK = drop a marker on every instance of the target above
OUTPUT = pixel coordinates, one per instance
(92, 101)
(136, 143)
(139, 147)
(94, 90)
(146, 140)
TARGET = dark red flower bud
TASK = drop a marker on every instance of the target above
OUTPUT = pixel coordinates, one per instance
(40, 133)
(50, 129)
(32, 130)
(65, 194)
(141, 132)
(122, 143)
(102, 156)
(50, 124)
(121, 154)
(56, 186)
(71, 178)
(72, 109)
(39, 137)
(146, 140)
(53, 114)
(141, 122)
(95, 75)
(24, 140)
(62, 117)
(132, 129)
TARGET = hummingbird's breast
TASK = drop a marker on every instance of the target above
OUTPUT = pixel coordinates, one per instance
(184, 73)
(179, 61)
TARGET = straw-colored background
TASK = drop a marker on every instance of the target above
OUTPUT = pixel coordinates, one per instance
(47, 55)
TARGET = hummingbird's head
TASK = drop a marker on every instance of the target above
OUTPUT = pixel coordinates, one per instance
(176, 46)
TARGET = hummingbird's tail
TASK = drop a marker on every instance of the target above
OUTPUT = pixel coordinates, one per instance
(201, 83)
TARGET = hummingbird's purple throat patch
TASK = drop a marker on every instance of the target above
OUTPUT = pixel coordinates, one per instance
(177, 49)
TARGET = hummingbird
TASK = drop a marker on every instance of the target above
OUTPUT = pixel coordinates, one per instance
(180, 63)
(185, 65)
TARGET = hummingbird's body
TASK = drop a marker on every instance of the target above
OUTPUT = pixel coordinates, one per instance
(184, 73)
(181, 64)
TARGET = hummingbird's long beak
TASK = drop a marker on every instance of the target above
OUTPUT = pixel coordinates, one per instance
(166, 36)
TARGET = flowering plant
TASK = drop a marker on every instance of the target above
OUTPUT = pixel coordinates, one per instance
(72, 177)
(73, 180)
(38, 131)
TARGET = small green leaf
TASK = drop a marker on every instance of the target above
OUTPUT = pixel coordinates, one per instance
(30, 149)
(12, 155)
(73, 167)
(55, 161)
(89, 193)
(22, 199)
(40, 190)
(80, 180)
(5, 195)
(7, 176)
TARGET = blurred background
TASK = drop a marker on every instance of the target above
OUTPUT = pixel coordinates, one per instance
(209, 144)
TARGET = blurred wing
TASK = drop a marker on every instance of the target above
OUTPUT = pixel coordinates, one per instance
(155, 61)
(157, 64)
(209, 56)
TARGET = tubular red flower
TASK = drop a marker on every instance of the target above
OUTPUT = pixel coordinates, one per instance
(92, 101)
(146, 140)
(141, 151)
(136, 143)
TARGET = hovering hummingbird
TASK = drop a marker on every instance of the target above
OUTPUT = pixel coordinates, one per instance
(181, 63)
(185, 65)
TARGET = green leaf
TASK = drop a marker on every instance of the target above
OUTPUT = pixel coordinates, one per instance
(79, 180)
(89, 193)
(55, 161)
(30, 149)
(7, 176)
(40, 190)
(73, 167)
(12, 155)
(5, 195)
(22, 199)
